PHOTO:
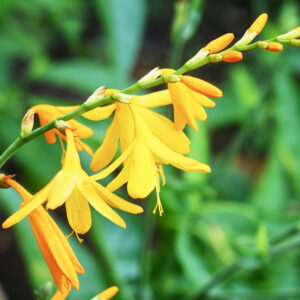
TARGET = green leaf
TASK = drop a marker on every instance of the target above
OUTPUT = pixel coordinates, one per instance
(124, 25)
(80, 75)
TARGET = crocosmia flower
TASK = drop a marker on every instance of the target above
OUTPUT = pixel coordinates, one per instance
(54, 246)
(68, 186)
(48, 113)
(189, 97)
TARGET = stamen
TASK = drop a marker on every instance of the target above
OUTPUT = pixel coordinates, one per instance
(158, 202)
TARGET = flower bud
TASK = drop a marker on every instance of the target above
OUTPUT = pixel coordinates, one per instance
(219, 44)
(171, 78)
(232, 56)
(123, 98)
(293, 34)
(98, 94)
(295, 42)
(256, 27)
(62, 126)
(107, 294)
(27, 123)
(198, 57)
(3, 184)
(152, 75)
(274, 47)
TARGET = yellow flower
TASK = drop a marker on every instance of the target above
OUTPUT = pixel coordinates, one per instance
(54, 246)
(68, 187)
(107, 294)
(48, 113)
(189, 96)
(147, 140)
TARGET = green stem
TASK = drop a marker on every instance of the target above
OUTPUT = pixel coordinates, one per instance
(240, 264)
(21, 140)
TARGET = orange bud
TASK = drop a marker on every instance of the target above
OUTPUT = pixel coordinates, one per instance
(232, 56)
(219, 44)
(258, 25)
(107, 294)
(274, 47)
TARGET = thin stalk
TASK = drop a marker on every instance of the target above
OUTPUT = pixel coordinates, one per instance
(85, 107)
(239, 264)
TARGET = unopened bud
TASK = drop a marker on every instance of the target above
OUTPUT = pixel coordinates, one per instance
(171, 78)
(262, 45)
(232, 56)
(3, 184)
(62, 126)
(256, 27)
(198, 57)
(27, 123)
(215, 58)
(274, 47)
(152, 75)
(293, 34)
(107, 294)
(123, 98)
(219, 44)
(98, 94)
(295, 42)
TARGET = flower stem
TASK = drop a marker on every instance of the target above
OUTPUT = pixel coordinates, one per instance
(21, 140)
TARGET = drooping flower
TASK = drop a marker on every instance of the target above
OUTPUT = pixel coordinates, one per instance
(54, 246)
(48, 113)
(189, 96)
(107, 294)
(123, 128)
(68, 187)
(147, 140)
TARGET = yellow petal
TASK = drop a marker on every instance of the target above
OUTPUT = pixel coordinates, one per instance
(177, 160)
(141, 179)
(125, 124)
(201, 86)
(201, 99)
(154, 99)
(163, 128)
(113, 166)
(78, 212)
(84, 146)
(100, 113)
(62, 186)
(28, 207)
(107, 294)
(120, 179)
(108, 149)
(65, 109)
(219, 43)
(182, 101)
(99, 204)
(81, 130)
(258, 25)
(116, 201)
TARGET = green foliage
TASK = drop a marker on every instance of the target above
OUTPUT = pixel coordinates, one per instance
(54, 50)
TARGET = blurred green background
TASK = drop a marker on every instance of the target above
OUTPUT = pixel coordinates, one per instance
(232, 234)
